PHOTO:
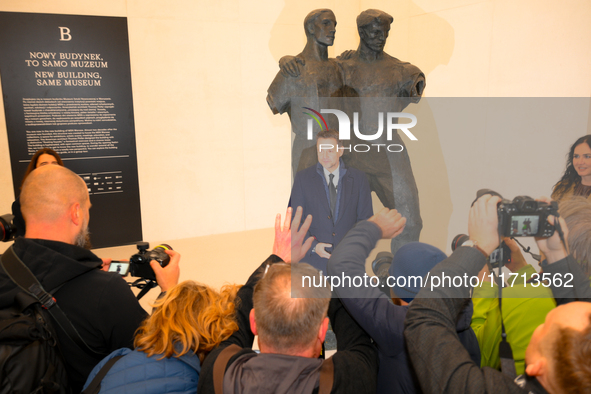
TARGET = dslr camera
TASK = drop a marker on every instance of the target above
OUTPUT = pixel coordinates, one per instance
(526, 217)
(7, 228)
(139, 264)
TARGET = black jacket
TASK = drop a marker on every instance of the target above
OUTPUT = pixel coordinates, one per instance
(99, 304)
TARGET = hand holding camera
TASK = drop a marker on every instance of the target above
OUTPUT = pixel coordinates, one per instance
(483, 223)
(160, 264)
(554, 248)
(167, 276)
(521, 217)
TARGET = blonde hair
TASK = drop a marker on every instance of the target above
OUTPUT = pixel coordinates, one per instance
(191, 317)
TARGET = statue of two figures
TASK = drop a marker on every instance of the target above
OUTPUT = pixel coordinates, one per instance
(368, 86)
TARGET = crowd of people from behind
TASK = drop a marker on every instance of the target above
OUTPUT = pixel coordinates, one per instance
(418, 339)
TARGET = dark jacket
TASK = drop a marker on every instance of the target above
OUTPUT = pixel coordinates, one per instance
(136, 373)
(310, 192)
(355, 362)
(434, 349)
(99, 304)
(379, 317)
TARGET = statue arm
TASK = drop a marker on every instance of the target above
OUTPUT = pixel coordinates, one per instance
(346, 54)
(289, 65)
(278, 94)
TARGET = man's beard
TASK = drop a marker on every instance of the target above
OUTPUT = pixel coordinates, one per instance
(83, 238)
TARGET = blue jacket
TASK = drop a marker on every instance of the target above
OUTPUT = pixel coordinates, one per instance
(136, 373)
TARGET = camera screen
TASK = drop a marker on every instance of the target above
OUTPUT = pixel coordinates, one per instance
(524, 225)
(120, 267)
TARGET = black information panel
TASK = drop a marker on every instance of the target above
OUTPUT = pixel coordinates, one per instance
(66, 85)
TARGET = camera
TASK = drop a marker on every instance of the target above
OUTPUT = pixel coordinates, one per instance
(8, 229)
(380, 267)
(525, 217)
(501, 254)
(139, 263)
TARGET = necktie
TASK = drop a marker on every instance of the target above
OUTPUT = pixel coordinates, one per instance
(333, 195)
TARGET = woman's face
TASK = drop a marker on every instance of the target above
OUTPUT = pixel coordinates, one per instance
(45, 159)
(582, 160)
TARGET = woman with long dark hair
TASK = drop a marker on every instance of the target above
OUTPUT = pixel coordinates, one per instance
(576, 180)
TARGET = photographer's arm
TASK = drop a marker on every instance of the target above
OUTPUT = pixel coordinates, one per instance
(288, 246)
(441, 362)
(371, 308)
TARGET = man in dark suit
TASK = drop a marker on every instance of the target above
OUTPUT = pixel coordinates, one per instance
(337, 197)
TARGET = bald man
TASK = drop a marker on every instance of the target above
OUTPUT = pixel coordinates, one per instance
(100, 305)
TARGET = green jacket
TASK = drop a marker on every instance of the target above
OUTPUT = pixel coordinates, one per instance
(524, 309)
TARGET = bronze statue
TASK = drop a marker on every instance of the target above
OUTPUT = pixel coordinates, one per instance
(320, 78)
(373, 82)
(391, 85)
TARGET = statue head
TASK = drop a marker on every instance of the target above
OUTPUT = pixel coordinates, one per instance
(321, 25)
(373, 27)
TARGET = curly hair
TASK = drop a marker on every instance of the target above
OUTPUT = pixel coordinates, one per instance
(570, 178)
(191, 317)
(35, 158)
(572, 352)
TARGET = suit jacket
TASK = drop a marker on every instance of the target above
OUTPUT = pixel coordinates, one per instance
(310, 191)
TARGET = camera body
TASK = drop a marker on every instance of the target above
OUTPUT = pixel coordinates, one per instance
(139, 263)
(525, 217)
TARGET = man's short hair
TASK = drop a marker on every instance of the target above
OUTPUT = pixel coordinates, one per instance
(576, 211)
(311, 17)
(288, 312)
(572, 355)
(367, 17)
(329, 133)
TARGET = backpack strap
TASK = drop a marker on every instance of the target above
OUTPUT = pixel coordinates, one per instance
(326, 377)
(219, 367)
(94, 387)
(20, 274)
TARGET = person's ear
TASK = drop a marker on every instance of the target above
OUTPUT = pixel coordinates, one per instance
(253, 322)
(322, 330)
(75, 214)
(538, 368)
